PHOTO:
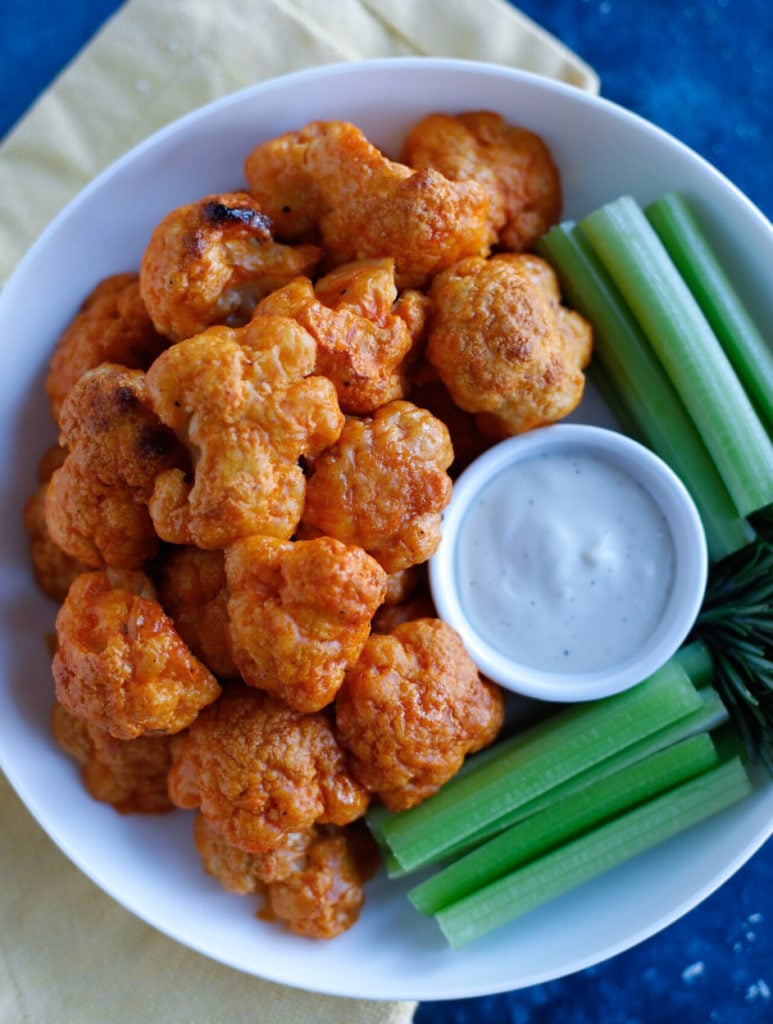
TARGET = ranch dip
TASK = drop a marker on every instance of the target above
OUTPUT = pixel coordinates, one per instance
(565, 563)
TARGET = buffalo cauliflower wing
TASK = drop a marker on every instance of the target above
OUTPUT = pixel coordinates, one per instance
(418, 606)
(513, 164)
(323, 895)
(259, 770)
(130, 775)
(363, 334)
(245, 403)
(209, 262)
(53, 568)
(192, 591)
(411, 709)
(408, 597)
(328, 183)
(96, 501)
(313, 882)
(300, 613)
(504, 346)
(383, 485)
(241, 872)
(467, 439)
(112, 326)
(120, 663)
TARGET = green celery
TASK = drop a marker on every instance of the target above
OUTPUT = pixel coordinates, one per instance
(593, 853)
(695, 658)
(562, 819)
(690, 352)
(710, 716)
(656, 410)
(615, 402)
(535, 761)
(678, 229)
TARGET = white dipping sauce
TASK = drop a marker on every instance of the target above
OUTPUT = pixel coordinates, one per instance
(565, 562)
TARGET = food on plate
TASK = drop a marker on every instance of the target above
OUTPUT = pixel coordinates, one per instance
(256, 433)
(323, 895)
(130, 775)
(328, 184)
(112, 326)
(383, 485)
(411, 709)
(120, 664)
(408, 597)
(504, 346)
(240, 871)
(96, 501)
(259, 770)
(246, 405)
(53, 568)
(300, 613)
(429, 392)
(364, 335)
(211, 261)
(192, 590)
(513, 164)
(313, 882)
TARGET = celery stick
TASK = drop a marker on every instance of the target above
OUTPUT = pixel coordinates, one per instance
(615, 402)
(536, 761)
(679, 230)
(710, 716)
(562, 819)
(695, 658)
(597, 851)
(376, 816)
(690, 352)
(642, 385)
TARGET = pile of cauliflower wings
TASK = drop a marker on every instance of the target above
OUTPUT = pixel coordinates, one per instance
(259, 428)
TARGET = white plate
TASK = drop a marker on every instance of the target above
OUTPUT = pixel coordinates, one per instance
(149, 864)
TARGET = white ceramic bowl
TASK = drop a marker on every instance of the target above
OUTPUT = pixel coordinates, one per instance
(467, 536)
(149, 864)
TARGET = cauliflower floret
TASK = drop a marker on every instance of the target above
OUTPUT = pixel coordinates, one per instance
(504, 346)
(112, 326)
(313, 882)
(362, 339)
(300, 613)
(323, 896)
(209, 262)
(96, 501)
(513, 164)
(411, 709)
(408, 597)
(53, 568)
(244, 403)
(260, 770)
(418, 606)
(192, 590)
(130, 775)
(384, 485)
(329, 183)
(120, 663)
(429, 392)
(242, 872)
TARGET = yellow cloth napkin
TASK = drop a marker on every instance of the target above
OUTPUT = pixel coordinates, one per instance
(68, 953)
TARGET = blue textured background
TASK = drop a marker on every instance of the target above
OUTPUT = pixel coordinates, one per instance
(703, 71)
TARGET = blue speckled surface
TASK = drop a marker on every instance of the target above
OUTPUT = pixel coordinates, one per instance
(702, 70)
